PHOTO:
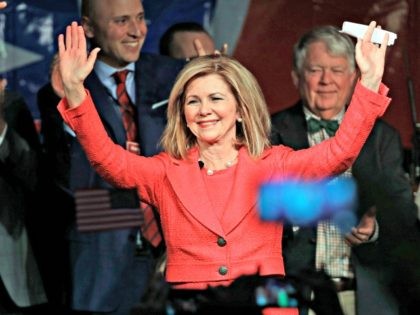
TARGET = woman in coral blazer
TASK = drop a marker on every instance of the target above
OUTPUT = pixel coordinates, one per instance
(217, 154)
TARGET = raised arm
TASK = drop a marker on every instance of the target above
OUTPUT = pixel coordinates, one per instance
(75, 63)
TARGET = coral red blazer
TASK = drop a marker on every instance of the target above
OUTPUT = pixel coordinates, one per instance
(203, 249)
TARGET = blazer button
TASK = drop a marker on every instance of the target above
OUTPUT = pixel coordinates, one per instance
(221, 241)
(223, 270)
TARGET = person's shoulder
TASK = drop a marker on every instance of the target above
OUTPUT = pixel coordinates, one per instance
(382, 124)
(160, 60)
(14, 102)
(287, 112)
(46, 88)
(12, 97)
(162, 69)
(46, 96)
(16, 141)
(382, 134)
(382, 128)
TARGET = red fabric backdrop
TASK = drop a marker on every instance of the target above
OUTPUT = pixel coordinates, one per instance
(273, 26)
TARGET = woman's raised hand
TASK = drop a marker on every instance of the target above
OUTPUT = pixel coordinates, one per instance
(370, 59)
(75, 63)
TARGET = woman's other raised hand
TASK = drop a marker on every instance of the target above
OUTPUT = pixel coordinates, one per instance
(370, 58)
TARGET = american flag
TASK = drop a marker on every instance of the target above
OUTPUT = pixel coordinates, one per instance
(94, 212)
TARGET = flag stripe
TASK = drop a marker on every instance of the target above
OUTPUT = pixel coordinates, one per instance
(112, 212)
(91, 192)
(94, 213)
(104, 227)
(119, 218)
(93, 207)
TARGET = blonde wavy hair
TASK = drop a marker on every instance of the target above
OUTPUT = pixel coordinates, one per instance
(254, 130)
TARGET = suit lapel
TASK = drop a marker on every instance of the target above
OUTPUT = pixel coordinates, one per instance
(292, 128)
(244, 189)
(151, 89)
(105, 105)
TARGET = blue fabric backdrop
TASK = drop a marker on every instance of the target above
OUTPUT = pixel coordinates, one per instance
(162, 14)
(29, 30)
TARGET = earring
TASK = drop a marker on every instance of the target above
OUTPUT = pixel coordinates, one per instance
(239, 119)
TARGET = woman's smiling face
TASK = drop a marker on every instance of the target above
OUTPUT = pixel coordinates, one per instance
(210, 109)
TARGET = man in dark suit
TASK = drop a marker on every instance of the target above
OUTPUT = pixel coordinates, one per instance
(109, 270)
(324, 72)
(21, 284)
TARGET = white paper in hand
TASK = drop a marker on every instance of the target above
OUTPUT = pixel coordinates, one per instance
(358, 30)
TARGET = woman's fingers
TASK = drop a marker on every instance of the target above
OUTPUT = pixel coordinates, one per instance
(384, 43)
(75, 41)
(81, 38)
(60, 44)
(368, 34)
(92, 57)
(68, 38)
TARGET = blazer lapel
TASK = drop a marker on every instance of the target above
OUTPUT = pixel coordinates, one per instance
(187, 181)
(245, 187)
(292, 127)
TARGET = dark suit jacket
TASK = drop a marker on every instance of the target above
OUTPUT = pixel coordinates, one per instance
(104, 263)
(379, 174)
(18, 117)
(19, 150)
